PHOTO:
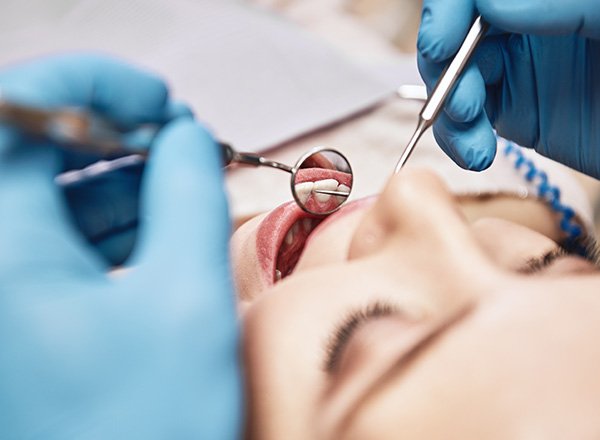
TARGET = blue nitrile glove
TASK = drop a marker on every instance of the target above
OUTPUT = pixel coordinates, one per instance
(148, 353)
(105, 210)
(536, 79)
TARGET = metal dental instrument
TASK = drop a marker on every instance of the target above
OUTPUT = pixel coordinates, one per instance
(444, 86)
(90, 134)
(317, 165)
(73, 129)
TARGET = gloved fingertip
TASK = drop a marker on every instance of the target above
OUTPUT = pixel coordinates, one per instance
(464, 110)
(471, 146)
(478, 160)
(429, 44)
(423, 35)
(178, 109)
(487, 159)
(449, 149)
(443, 27)
(432, 49)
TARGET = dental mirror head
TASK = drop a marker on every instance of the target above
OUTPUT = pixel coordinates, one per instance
(321, 181)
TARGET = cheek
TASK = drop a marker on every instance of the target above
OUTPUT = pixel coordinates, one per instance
(510, 245)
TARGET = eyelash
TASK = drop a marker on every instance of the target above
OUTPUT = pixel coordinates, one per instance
(536, 265)
(586, 248)
(344, 331)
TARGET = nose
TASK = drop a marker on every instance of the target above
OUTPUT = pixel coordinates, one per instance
(415, 206)
(416, 234)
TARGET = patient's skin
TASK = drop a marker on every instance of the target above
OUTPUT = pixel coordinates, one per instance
(505, 355)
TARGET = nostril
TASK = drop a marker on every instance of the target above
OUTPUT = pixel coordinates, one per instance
(367, 239)
(415, 204)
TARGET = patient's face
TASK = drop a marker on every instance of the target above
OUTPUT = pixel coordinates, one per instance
(402, 320)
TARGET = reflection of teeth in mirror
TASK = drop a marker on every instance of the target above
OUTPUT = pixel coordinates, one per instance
(342, 188)
(327, 184)
(303, 191)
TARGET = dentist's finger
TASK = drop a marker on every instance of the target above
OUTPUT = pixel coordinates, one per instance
(472, 145)
(184, 217)
(444, 25)
(111, 87)
(543, 17)
(467, 99)
(34, 227)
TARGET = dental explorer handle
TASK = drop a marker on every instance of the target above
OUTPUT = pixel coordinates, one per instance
(435, 102)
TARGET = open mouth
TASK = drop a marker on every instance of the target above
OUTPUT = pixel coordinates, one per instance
(281, 238)
(283, 234)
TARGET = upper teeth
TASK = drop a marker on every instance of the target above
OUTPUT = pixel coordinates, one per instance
(327, 184)
(304, 190)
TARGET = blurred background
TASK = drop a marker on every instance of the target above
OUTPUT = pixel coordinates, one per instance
(278, 76)
(395, 20)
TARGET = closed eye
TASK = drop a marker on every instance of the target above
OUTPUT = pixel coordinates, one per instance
(586, 248)
(538, 264)
(344, 331)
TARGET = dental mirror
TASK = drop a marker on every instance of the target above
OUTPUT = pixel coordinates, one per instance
(321, 181)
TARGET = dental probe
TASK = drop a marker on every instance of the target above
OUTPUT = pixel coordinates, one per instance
(444, 86)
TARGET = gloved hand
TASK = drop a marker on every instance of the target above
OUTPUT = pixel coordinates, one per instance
(149, 353)
(106, 209)
(536, 79)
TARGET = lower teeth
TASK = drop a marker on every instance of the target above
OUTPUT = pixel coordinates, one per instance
(277, 275)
